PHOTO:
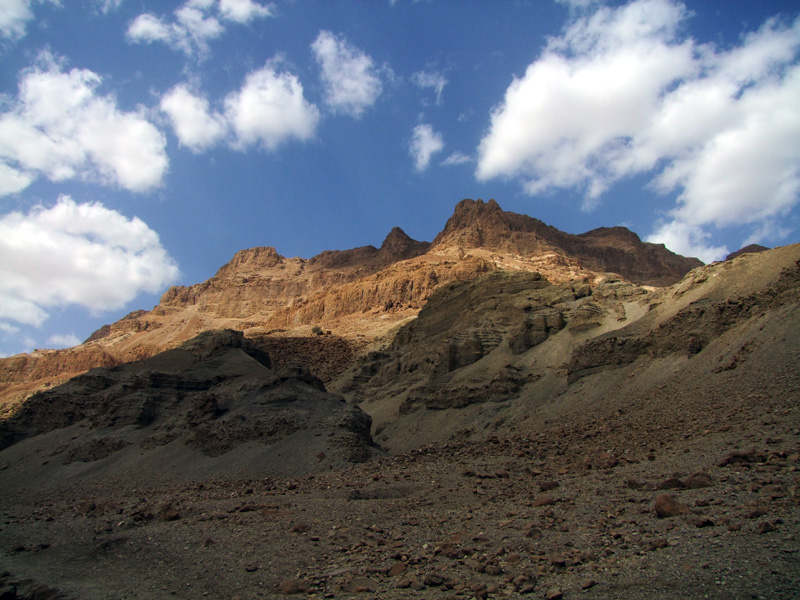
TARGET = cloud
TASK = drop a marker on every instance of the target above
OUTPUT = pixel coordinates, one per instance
(194, 24)
(14, 17)
(688, 240)
(61, 128)
(429, 79)
(425, 142)
(270, 108)
(107, 6)
(195, 125)
(63, 340)
(243, 11)
(76, 254)
(348, 75)
(621, 92)
(457, 158)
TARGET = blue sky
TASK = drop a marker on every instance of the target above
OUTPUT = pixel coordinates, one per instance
(143, 143)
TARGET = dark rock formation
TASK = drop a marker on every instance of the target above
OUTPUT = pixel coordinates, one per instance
(751, 249)
(214, 393)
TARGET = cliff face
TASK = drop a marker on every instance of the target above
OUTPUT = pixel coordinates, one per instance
(608, 249)
(360, 293)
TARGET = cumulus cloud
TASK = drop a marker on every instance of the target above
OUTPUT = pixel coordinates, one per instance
(622, 92)
(61, 128)
(196, 126)
(348, 75)
(14, 17)
(430, 79)
(243, 11)
(270, 108)
(194, 24)
(425, 142)
(76, 254)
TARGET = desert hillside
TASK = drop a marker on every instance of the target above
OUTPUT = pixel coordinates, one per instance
(508, 411)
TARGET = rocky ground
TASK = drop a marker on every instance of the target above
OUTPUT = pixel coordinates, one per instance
(592, 506)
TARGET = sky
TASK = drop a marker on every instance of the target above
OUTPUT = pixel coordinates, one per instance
(143, 143)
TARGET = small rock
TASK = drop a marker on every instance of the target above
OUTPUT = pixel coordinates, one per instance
(397, 569)
(168, 513)
(554, 594)
(417, 585)
(292, 586)
(300, 527)
(544, 501)
(533, 532)
(433, 580)
(699, 480)
(673, 483)
(589, 583)
(704, 522)
(558, 560)
(666, 506)
(764, 527)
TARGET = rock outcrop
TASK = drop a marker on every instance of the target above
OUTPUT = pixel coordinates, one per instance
(214, 394)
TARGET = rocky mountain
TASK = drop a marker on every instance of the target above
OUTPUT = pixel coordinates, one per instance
(359, 294)
(509, 411)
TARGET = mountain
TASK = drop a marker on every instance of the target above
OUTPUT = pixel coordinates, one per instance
(488, 417)
(359, 294)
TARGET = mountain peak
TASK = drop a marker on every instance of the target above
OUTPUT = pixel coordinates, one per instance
(398, 245)
(471, 221)
(396, 236)
(750, 249)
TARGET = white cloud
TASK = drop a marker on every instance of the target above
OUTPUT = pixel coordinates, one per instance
(622, 93)
(194, 124)
(425, 142)
(270, 108)
(351, 82)
(688, 240)
(59, 127)
(457, 158)
(243, 11)
(76, 254)
(63, 340)
(107, 6)
(194, 24)
(430, 79)
(14, 17)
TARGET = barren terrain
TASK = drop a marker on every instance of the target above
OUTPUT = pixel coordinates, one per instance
(515, 435)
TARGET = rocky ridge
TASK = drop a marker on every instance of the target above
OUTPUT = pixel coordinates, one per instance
(359, 294)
